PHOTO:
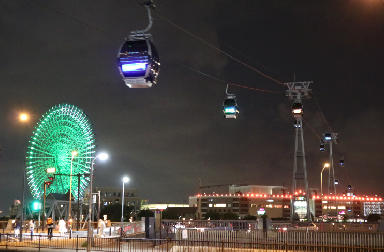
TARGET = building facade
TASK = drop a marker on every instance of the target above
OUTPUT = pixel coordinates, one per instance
(113, 195)
(276, 202)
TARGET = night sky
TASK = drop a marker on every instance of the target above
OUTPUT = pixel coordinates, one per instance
(167, 137)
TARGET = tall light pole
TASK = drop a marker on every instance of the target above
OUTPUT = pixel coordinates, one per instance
(125, 180)
(102, 156)
(325, 166)
(73, 155)
(23, 118)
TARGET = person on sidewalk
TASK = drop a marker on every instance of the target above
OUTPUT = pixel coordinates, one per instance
(17, 227)
(62, 227)
(50, 227)
(31, 227)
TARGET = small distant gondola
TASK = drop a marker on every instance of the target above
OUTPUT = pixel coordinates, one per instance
(230, 108)
(297, 110)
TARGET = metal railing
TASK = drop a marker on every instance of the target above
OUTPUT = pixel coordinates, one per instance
(220, 241)
(307, 239)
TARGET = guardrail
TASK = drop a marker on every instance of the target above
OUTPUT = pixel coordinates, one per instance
(300, 238)
(287, 241)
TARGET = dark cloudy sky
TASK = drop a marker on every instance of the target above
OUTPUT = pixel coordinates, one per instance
(169, 136)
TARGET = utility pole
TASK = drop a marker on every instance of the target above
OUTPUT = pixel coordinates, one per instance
(297, 91)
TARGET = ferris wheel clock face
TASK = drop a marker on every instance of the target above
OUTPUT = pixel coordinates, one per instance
(63, 141)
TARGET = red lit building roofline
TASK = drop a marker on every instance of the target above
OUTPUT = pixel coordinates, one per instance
(289, 196)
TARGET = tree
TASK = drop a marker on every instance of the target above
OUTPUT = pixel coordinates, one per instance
(212, 216)
(373, 218)
(113, 212)
(250, 217)
(168, 215)
(229, 216)
(145, 213)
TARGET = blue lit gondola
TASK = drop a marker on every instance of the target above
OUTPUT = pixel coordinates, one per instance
(138, 60)
(230, 108)
(327, 137)
(139, 63)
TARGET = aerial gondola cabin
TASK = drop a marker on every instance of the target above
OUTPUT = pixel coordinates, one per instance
(230, 108)
(296, 124)
(327, 137)
(297, 110)
(139, 63)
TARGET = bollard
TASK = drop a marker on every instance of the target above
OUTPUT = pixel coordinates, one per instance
(39, 241)
(77, 242)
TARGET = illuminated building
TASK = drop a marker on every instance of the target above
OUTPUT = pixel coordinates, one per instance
(112, 195)
(278, 205)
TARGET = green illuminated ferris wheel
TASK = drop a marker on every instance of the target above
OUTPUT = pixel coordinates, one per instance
(62, 131)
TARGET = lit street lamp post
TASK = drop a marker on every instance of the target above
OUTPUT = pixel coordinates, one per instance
(23, 118)
(326, 166)
(102, 156)
(74, 154)
(125, 180)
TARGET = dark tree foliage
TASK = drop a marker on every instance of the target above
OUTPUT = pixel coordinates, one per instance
(373, 218)
(250, 217)
(218, 216)
(212, 216)
(145, 213)
(168, 215)
(113, 212)
(230, 216)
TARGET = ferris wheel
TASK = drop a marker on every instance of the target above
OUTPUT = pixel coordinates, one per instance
(61, 132)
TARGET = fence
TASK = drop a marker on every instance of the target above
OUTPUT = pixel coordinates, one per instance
(307, 239)
(222, 241)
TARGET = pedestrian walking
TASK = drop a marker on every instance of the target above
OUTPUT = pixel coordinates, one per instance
(100, 228)
(31, 227)
(62, 227)
(17, 227)
(50, 227)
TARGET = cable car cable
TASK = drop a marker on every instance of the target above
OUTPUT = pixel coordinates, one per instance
(74, 18)
(229, 82)
(322, 114)
(220, 50)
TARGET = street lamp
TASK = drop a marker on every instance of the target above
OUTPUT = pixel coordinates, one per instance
(50, 171)
(125, 180)
(325, 166)
(73, 155)
(23, 117)
(102, 156)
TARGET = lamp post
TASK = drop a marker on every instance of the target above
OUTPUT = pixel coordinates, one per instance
(23, 118)
(74, 154)
(102, 156)
(125, 180)
(50, 170)
(325, 166)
